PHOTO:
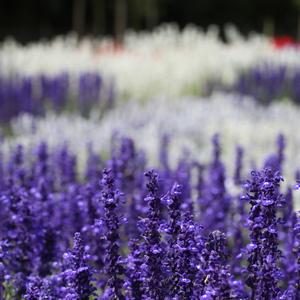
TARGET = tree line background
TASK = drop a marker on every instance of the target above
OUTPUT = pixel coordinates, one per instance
(30, 20)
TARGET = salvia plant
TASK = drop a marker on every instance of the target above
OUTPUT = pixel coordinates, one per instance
(266, 83)
(120, 230)
(37, 94)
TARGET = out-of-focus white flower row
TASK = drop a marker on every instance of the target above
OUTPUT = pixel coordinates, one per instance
(165, 62)
(190, 123)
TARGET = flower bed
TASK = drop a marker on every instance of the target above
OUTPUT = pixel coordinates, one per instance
(173, 232)
(166, 61)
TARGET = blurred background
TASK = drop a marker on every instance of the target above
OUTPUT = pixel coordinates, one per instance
(32, 20)
(83, 63)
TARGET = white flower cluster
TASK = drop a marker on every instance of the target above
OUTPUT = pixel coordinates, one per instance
(190, 123)
(165, 62)
(173, 63)
(63, 54)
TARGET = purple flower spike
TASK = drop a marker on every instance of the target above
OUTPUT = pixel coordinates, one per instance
(114, 268)
(263, 251)
(153, 278)
(215, 271)
(77, 273)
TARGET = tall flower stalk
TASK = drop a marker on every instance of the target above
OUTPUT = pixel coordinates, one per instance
(114, 268)
(77, 274)
(263, 250)
(216, 274)
(153, 278)
(174, 202)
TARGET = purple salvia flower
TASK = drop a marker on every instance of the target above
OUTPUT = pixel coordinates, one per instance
(215, 202)
(34, 289)
(265, 83)
(134, 282)
(127, 164)
(286, 235)
(42, 160)
(187, 279)
(77, 274)
(237, 233)
(293, 264)
(54, 91)
(49, 288)
(183, 177)
(238, 217)
(38, 288)
(90, 85)
(215, 271)
(1, 170)
(42, 181)
(173, 201)
(263, 252)
(114, 269)
(20, 231)
(66, 164)
(2, 274)
(153, 284)
(133, 214)
(15, 166)
(93, 229)
(296, 251)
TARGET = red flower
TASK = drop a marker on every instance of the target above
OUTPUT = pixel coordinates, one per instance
(284, 41)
